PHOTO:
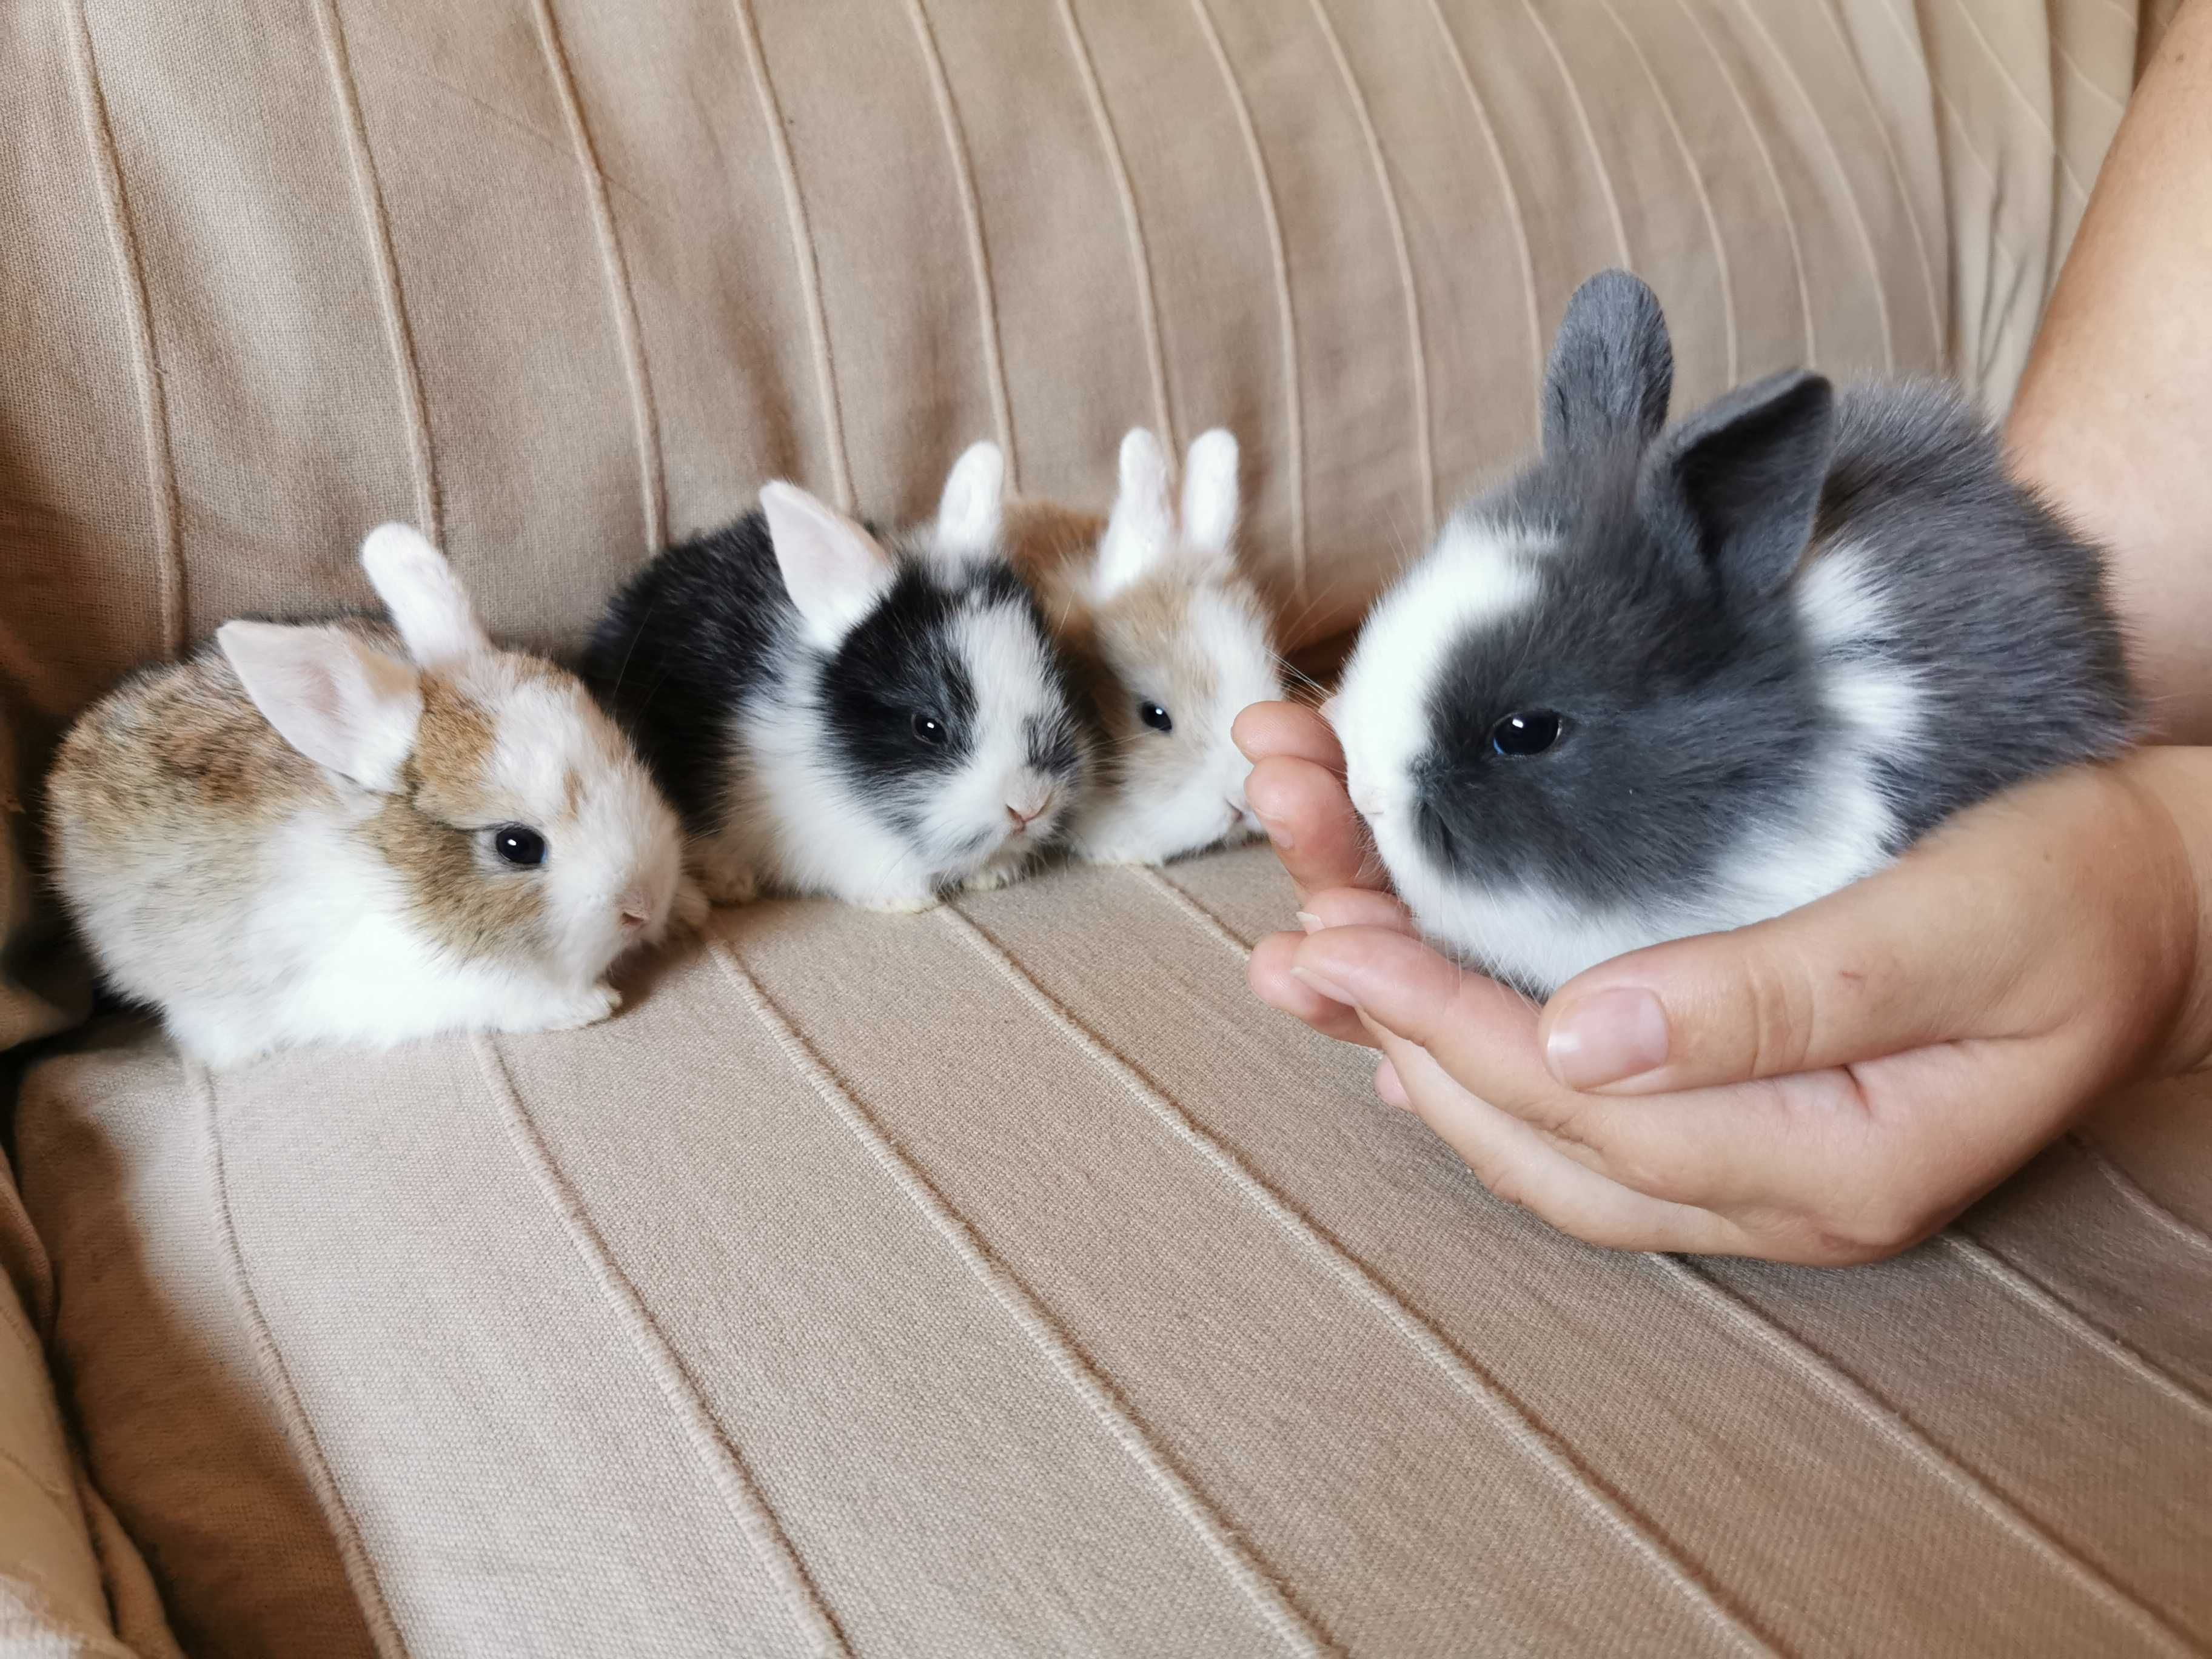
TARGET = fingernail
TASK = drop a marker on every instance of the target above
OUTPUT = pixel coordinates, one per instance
(1334, 993)
(1607, 1037)
(1311, 922)
(1277, 833)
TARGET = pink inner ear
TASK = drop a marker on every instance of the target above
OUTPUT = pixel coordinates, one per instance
(339, 702)
(833, 569)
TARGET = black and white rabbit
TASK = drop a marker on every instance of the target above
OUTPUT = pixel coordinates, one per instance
(832, 715)
(1665, 683)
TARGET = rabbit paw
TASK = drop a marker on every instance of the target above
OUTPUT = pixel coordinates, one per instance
(729, 883)
(901, 904)
(689, 914)
(587, 1007)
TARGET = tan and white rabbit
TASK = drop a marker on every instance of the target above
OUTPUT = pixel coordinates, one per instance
(1173, 640)
(350, 833)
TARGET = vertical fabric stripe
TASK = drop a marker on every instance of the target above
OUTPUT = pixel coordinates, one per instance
(803, 251)
(1028, 1315)
(1293, 398)
(2176, 1227)
(360, 1571)
(1540, 1445)
(1994, 1267)
(1942, 335)
(971, 218)
(725, 1466)
(652, 483)
(1773, 178)
(1590, 133)
(1200, 917)
(1519, 218)
(1847, 1391)
(1697, 182)
(1424, 469)
(376, 227)
(1148, 308)
(137, 316)
(2040, 121)
(1843, 182)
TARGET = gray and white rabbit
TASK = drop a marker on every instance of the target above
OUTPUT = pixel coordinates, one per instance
(1674, 680)
(346, 832)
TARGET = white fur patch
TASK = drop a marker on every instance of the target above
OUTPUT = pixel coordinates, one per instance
(794, 818)
(1478, 575)
(1228, 631)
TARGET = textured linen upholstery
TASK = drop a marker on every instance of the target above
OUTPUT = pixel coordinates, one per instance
(1001, 1279)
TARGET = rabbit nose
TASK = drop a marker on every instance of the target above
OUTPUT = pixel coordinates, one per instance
(637, 911)
(1022, 819)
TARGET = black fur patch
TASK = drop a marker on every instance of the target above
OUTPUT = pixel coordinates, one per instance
(706, 632)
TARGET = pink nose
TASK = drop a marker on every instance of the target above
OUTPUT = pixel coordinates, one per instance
(1023, 820)
(637, 911)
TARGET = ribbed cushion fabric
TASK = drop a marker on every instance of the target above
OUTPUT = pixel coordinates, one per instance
(1004, 1279)
(1001, 1281)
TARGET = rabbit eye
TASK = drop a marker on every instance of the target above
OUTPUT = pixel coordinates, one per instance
(1155, 717)
(519, 844)
(1530, 732)
(929, 729)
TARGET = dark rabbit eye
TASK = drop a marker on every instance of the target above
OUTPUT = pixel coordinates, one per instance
(929, 730)
(1155, 717)
(519, 844)
(1530, 732)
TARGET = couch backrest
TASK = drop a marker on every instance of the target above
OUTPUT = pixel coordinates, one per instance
(556, 281)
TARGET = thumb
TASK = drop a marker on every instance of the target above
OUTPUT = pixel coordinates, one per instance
(1957, 939)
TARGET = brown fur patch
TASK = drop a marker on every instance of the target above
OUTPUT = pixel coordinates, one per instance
(177, 748)
(431, 832)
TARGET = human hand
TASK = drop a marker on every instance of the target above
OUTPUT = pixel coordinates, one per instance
(1830, 1086)
(1296, 791)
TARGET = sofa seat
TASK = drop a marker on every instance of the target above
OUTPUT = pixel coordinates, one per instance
(1001, 1280)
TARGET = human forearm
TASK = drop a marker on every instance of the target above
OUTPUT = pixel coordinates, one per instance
(2114, 416)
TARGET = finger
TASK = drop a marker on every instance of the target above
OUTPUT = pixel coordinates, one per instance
(1710, 1148)
(1310, 820)
(1268, 974)
(1388, 1088)
(1981, 932)
(1518, 1165)
(1355, 907)
(1266, 730)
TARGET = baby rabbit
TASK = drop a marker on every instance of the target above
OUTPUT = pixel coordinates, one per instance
(834, 715)
(340, 832)
(1671, 682)
(1172, 641)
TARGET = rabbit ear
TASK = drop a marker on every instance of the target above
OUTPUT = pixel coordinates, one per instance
(833, 569)
(969, 513)
(1749, 471)
(1209, 492)
(1612, 369)
(331, 695)
(1142, 528)
(427, 602)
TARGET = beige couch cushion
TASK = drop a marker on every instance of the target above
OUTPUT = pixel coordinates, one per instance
(1001, 1281)
(850, 1288)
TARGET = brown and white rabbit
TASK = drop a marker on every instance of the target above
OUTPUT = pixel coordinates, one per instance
(350, 833)
(1174, 642)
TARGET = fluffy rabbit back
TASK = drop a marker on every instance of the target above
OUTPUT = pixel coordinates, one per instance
(297, 835)
(1666, 683)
